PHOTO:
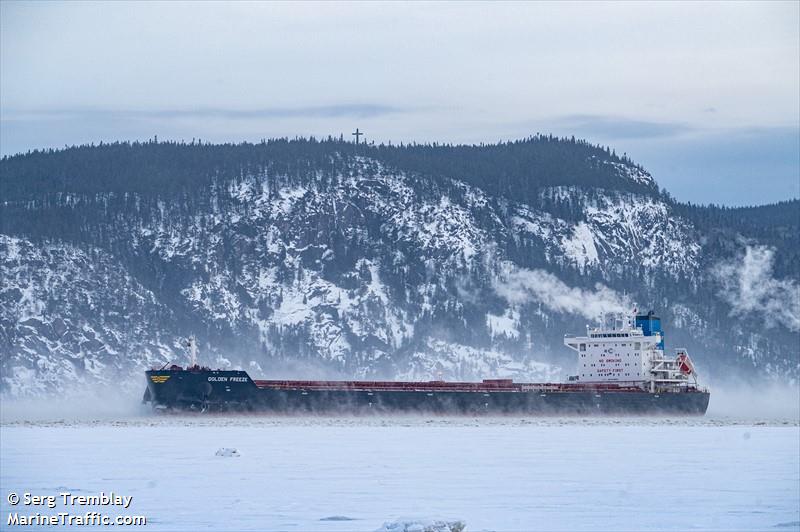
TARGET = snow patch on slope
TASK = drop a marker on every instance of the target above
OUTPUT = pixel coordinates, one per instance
(506, 324)
(580, 246)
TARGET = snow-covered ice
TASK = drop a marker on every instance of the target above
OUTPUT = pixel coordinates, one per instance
(227, 452)
(371, 473)
(422, 525)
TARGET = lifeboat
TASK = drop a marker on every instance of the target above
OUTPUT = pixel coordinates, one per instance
(684, 363)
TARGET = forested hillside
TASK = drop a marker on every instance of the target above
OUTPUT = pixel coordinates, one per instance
(321, 257)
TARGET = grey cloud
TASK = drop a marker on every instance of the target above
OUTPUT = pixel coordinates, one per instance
(355, 110)
(615, 127)
(325, 111)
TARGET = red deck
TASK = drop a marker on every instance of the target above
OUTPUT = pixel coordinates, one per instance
(494, 385)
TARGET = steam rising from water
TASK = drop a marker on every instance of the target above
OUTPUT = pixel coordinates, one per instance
(101, 404)
(732, 401)
(766, 400)
(748, 285)
(521, 285)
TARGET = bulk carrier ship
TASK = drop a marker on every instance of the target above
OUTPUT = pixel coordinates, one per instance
(622, 370)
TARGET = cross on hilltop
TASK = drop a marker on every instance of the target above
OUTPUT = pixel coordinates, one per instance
(357, 134)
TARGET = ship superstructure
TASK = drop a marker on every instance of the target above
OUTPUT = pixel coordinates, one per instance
(629, 349)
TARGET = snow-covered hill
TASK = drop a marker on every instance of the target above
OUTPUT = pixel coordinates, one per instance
(361, 268)
(69, 316)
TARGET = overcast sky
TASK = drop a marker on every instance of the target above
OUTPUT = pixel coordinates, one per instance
(705, 96)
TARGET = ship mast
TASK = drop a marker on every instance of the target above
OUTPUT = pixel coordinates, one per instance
(192, 344)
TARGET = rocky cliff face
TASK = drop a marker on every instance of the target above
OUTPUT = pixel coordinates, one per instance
(363, 268)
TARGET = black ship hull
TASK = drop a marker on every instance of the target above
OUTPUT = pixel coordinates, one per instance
(207, 390)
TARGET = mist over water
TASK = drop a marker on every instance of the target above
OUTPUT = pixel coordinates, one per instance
(754, 401)
(102, 404)
(732, 401)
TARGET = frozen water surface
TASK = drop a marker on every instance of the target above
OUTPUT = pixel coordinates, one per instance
(362, 473)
